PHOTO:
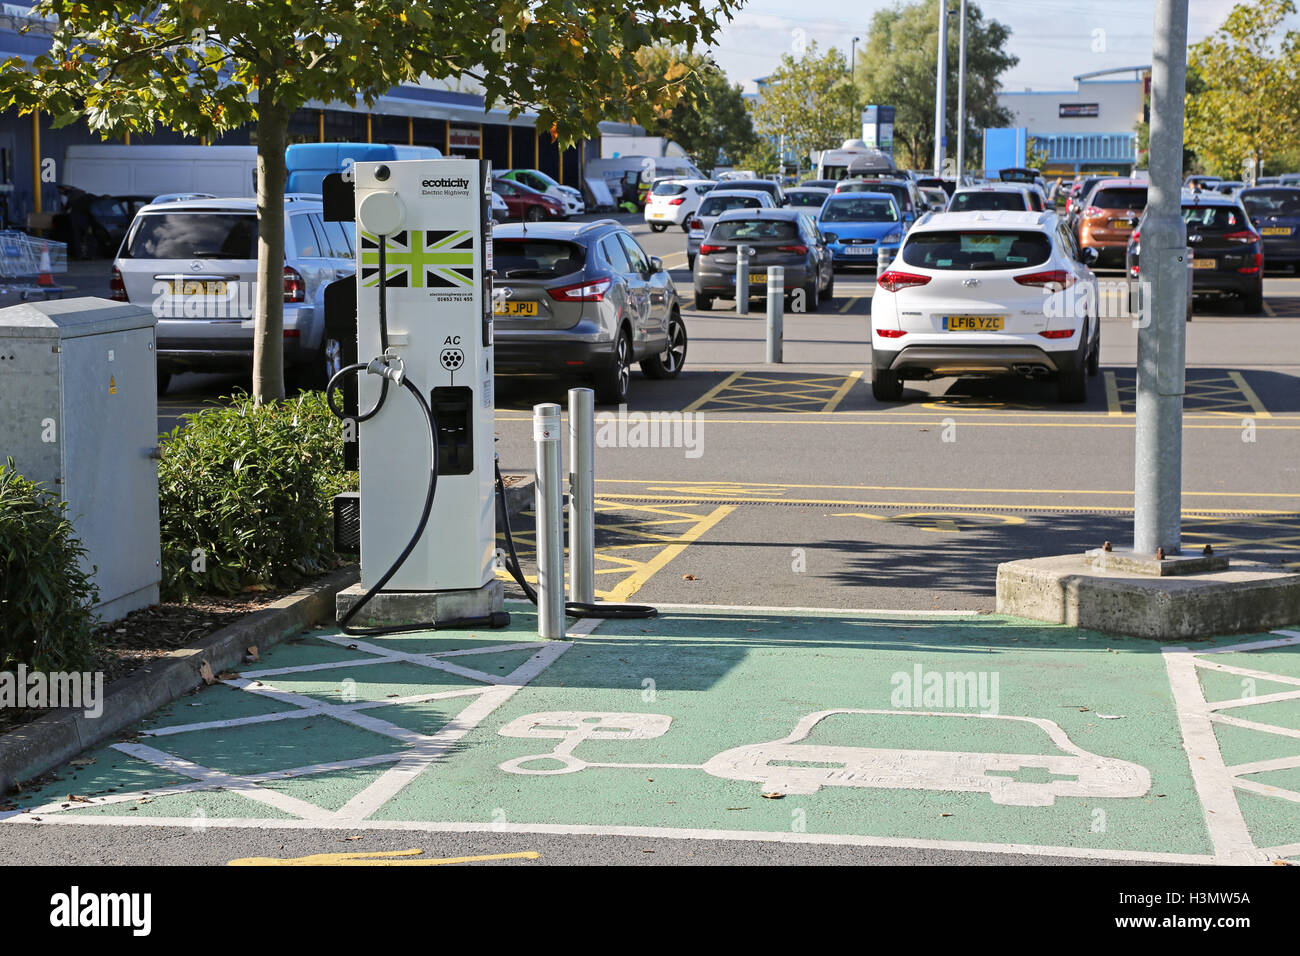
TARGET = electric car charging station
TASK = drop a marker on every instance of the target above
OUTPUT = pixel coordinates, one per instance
(423, 327)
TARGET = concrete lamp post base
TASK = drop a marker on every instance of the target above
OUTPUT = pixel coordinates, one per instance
(1138, 596)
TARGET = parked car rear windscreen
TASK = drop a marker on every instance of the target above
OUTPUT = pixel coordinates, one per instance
(537, 258)
(190, 235)
(961, 250)
(757, 230)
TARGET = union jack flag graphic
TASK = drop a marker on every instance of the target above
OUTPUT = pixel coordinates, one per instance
(420, 259)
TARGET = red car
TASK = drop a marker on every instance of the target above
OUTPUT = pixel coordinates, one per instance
(527, 203)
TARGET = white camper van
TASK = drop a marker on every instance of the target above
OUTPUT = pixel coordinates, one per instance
(114, 170)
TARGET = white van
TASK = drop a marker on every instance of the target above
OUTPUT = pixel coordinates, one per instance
(115, 170)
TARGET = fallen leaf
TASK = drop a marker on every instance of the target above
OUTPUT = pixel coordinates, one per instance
(688, 577)
(77, 798)
(737, 808)
(82, 761)
(945, 814)
(227, 675)
(350, 838)
(205, 671)
(772, 796)
(252, 652)
(1111, 716)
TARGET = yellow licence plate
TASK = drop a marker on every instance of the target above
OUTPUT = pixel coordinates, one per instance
(198, 287)
(1276, 231)
(972, 323)
(1121, 224)
(755, 277)
(515, 308)
(1204, 263)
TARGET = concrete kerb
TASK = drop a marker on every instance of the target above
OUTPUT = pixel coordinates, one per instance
(49, 741)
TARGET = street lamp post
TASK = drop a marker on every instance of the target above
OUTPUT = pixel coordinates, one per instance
(853, 88)
(961, 92)
(941, 87)
(1161, 355)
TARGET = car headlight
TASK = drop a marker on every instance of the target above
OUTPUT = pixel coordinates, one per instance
(893, 237)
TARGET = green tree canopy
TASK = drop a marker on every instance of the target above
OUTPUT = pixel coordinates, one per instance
(897, 68)
(1247, 106)
(809, 100)
(710, 120)
(206, 66)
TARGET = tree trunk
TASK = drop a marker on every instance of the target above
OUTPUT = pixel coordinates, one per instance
(268, 332)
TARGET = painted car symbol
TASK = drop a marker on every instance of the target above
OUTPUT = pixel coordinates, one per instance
(787, 766)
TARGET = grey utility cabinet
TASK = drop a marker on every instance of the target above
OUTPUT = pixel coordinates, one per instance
(79, 413)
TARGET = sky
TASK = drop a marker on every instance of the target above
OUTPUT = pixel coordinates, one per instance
(1054, 39)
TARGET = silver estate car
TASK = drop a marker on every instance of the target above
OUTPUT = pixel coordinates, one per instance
(194, 264)
(584, 298)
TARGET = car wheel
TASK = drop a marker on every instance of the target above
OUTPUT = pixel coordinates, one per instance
(830, 287)
(612, 384)
(886, 386)
(1253, 301)
(812, 295)
(658, 226)
(669, 362)
(164, 379)
(690, 263)
(1072, 385)
(703, 303)
(534, 214)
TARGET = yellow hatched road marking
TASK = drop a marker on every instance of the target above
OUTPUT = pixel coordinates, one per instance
(1112, 394)
(849, 303)
(1251, 398)
(707, 396)
(631, 585)
(844, 390)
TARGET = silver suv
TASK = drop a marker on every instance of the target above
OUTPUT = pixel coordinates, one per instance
(584, 298)
(194, 264)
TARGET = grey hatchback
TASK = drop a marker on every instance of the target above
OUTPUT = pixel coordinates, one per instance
(777, 237)
(584, 298)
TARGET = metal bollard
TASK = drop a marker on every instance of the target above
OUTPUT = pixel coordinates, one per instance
(582, 495)
(775, 311)
(550, 526)
(883, 258)
(742, 279)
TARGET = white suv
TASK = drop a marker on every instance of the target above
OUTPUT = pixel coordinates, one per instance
(672, 202)
(986, 294)
(194, 264)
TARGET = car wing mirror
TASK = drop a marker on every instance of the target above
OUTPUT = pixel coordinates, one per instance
(1089, 256)
(656, 264)
(830, 237)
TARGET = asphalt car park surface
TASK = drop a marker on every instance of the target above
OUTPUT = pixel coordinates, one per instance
(799, 489)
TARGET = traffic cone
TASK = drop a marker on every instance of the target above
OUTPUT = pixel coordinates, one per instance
(46, 277)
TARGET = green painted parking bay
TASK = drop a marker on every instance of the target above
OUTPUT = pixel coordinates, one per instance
(961, 731)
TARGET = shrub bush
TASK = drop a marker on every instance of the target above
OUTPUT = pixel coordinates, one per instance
(245, 495)
(46, 599)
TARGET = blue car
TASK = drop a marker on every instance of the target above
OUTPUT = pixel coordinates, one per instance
(1275, 211)
(861, 224)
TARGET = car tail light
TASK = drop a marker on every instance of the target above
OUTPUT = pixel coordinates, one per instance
(593, 291)
(697, 223)
(1246, 235)
(801, 249)
(677, 202)
(117, 288)
(1137, 234)
(894, 280)
(706, 249)
(1057, 333)
(1056, 277)
(292, 333)
(1251, 270)
(890, 333)
(295, 289)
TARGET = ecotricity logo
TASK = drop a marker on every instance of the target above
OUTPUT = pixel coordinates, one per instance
(444, 186)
